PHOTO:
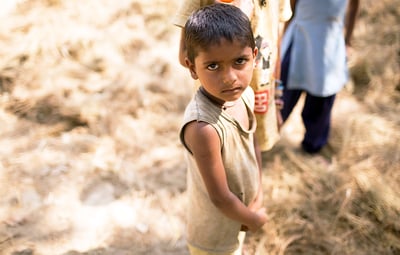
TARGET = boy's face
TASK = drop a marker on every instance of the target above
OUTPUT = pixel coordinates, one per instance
(224, 69)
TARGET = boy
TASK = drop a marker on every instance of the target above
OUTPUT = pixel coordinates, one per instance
(224, 177)
(265, 17)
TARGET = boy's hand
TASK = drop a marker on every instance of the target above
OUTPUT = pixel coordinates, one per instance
(261, 220)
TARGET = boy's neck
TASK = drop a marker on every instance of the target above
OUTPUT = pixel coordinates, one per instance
(223, 104)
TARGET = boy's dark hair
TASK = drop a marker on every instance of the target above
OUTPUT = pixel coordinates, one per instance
(208, 25)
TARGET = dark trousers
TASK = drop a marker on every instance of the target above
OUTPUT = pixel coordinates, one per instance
(316, 113)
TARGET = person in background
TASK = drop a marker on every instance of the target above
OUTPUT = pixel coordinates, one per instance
(267, 18)
(224, 173)
(314, 61)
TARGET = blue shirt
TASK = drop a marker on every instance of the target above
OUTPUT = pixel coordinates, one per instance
(318, 56)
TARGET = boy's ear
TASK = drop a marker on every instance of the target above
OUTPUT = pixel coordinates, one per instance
(255, 52)
(191, 68)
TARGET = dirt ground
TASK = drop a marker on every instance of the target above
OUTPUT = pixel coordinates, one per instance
(91, 99)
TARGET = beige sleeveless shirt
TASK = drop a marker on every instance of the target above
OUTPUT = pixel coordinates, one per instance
(207, 228)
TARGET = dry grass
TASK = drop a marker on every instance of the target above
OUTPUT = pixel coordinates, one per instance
(91, 98)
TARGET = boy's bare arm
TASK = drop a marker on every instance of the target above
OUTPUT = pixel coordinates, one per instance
(203, 141)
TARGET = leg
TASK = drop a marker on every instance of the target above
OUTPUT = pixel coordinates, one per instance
(289, 97)
(316, 117)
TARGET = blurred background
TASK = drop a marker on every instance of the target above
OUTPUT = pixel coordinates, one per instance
(91, 101)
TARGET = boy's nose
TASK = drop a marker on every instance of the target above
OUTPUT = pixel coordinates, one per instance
(229, 76)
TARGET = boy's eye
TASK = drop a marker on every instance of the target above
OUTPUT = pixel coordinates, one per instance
(212, 67)
(241, 61)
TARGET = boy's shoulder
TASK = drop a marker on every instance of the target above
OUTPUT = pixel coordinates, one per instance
(248, 97)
